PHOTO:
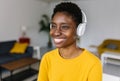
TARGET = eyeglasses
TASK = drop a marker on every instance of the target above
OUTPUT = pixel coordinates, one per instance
(63, 28)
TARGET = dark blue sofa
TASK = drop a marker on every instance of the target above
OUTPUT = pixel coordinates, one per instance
(6, 56)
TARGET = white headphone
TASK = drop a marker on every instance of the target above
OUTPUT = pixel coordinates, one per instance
(81, 27)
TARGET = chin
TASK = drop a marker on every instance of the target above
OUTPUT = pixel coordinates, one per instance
(61, 46)
(58, 46)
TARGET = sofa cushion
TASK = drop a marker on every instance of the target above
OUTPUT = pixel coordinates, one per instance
(28, 53)
(19, 48)
(112, 46)
(6, 46)
(18, 56)
(6, 58)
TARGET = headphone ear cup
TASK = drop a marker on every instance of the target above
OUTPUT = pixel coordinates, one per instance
(81, 29)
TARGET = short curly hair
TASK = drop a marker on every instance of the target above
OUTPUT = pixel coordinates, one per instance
(70, 8)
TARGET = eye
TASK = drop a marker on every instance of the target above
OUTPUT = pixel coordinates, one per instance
(65, 27)
(53, 26)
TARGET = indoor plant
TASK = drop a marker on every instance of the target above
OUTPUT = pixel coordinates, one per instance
(45, 26)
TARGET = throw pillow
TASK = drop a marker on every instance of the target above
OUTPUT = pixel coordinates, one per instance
(19, 48)
(112, 46)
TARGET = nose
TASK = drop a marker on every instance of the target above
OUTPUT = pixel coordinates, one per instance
(57, 32)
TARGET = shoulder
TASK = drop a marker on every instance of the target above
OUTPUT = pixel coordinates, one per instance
(51, 53)
(90, 57)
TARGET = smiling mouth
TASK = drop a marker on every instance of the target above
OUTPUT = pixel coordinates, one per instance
(59, 40)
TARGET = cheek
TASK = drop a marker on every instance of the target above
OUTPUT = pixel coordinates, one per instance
(71, 35)
(51, 33)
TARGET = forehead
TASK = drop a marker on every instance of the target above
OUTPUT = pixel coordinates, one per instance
(62, 17)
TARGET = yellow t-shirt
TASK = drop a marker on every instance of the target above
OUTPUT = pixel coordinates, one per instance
(85, 67)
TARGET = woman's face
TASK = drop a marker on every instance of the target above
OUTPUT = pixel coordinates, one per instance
(63, 30)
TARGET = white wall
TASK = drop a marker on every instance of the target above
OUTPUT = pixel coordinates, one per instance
(15, 13)
(103, 21)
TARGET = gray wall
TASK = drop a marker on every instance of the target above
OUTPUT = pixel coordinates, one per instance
(17, 13)
(103, 21)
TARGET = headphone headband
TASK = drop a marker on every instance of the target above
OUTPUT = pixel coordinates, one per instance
(81, 27)
(84, 17)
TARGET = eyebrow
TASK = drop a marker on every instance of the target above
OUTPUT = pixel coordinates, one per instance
(52, 23)
(55, 23)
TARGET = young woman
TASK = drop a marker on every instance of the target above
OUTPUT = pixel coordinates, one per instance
(68, 62)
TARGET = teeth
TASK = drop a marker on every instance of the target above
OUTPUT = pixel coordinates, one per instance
(58, 40)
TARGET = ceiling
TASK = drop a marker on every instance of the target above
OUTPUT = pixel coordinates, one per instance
(57, 0)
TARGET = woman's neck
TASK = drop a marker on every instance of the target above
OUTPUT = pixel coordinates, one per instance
(70, 52)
